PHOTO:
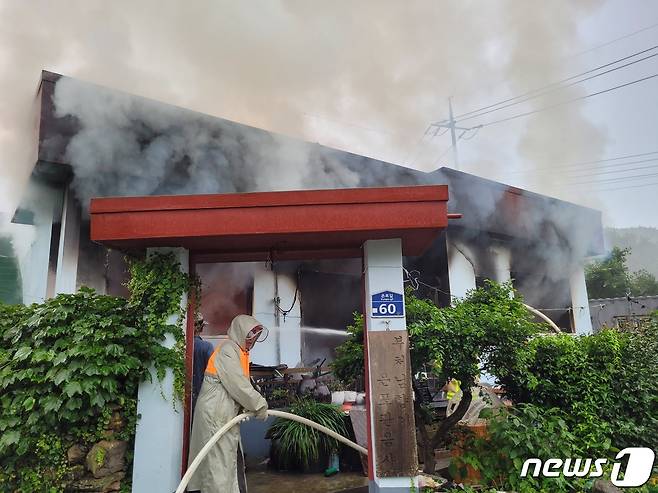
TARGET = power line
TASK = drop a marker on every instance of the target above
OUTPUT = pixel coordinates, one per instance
(557, 83)
(625, 187)
(588, 50)
(617, 168)
(556, 86)
(605, 172)
(436, 161)
(643, 185)
(616, 39)
(612, 180)
(451, 146)
(570, 165)
(527, 113)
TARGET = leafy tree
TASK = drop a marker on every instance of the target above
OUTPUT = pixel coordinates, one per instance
(610, 278)
(480, 332)
(643, 283)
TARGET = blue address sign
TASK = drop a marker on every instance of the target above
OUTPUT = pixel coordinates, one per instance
(387, 304)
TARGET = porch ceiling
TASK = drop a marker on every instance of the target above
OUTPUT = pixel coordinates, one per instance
(282, 225)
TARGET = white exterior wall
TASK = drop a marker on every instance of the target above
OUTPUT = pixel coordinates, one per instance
(34, 264)
(159, 434)
(284, 343)
(69, 241)
(460, 270)
(580, 302)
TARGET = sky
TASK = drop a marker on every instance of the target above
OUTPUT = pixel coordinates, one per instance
(371, 77)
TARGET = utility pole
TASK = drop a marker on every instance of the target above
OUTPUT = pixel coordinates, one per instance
(453, 135)
(451, 124)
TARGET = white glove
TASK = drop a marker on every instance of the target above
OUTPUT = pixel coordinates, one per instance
(261, 413)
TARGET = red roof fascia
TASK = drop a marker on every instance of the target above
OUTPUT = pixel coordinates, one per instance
(300, 224)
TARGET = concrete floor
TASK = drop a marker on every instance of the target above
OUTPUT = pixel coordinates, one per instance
(267, 481)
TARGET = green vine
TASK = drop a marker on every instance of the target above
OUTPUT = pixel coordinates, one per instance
(100, 456)
(71, 366)
(157, 285)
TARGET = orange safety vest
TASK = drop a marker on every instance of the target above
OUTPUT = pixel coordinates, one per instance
(244, 361)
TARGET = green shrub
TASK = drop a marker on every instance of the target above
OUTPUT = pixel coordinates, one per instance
(605, 383)
(525, 432)
(348, 365)
(66, 363)
(297, 446)
(577, 397)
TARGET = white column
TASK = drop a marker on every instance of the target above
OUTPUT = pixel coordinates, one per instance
(383, 272)
(460, 270)
(69, 241)
(43, 201)
(502, 259)
(159, 434)
(263, 310)
(283, 344)
(290, 334)
(580, 302)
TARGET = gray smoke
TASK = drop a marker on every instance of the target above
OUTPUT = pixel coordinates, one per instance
(128, 145)
(365, 77)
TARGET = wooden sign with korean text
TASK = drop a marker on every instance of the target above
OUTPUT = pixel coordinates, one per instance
(392, 408)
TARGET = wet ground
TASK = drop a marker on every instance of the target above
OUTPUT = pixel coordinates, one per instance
(267, 481)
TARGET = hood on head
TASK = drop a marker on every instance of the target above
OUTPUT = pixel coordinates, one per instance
(240, 327)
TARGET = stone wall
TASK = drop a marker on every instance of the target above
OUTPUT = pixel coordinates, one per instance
(103, 466)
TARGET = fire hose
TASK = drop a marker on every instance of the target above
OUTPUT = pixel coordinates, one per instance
(244, 416)
(543, 317)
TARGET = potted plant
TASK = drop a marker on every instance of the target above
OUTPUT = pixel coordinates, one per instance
(296, 446)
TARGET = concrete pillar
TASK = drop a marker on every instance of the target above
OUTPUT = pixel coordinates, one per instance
(159, 434)
(580, 302)
(44, 202)
(390, 409)
(460, 270)
(502, 260)
(283, 344)
(69, 241)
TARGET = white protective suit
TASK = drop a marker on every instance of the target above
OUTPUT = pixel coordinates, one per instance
(220, 400)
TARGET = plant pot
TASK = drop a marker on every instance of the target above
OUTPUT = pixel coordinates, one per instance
(307, 385)
(350, 396)
(338, 397)
(321, 393)
(472, 474)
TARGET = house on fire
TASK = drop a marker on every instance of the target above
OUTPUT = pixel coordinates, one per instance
(95, 142)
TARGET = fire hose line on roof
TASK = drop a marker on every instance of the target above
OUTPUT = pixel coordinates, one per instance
(244, 416)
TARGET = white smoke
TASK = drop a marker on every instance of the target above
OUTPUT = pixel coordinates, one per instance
(386, 66)
(365, 77)
(134, 146)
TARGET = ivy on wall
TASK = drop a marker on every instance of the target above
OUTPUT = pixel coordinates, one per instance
(156, 286)
(67, 363)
